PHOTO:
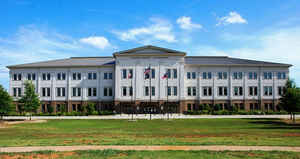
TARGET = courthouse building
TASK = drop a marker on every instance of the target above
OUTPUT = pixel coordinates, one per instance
(148, 77)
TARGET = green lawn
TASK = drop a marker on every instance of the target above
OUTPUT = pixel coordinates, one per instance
(156, 132)
(112, 154)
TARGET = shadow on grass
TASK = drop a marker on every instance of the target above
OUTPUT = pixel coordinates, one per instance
(275, 124)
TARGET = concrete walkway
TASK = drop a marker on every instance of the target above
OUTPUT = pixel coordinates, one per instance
(149, 148)
(156, 116)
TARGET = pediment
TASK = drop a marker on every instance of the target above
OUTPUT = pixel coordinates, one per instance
(150, 50)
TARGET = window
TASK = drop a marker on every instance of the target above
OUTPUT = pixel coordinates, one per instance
(130, 75)
(124, 91)
(237, 75)
(92, 76)
(60, 91)
(253, 91)
(281, 75)
(107, 75)
(194, 91)
(193, 75)
(188, 75)
(76, 76)
(268, 90)
(238, 91)
(169, 91)
(189, 106)
(17, 92)
(58, 76)
(110, 91)
(175, 73)
(92, 92)
(19, 77)
(268, 75)
(175, 90)
(146, 91)
(130, 91)
(222, 75)
(61, 76)
(191, 91)
(206, 75)
(222, 91)
(169, 73)
(252, 75)
(207, 91)
(31, 76)
(74, 107)
(153, 91)
(153, 73)
(124, 74)
(107, 91)
(281, 90)
(46, 92)
(46, 76)
(15, 77)
(76, 92)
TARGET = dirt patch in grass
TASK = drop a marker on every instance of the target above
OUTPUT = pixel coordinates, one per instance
(24, 121)
(5, 124)
(292, 134)
(2, 125)
(53, 155)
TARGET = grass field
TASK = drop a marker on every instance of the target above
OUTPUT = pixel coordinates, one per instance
(269, 132)
(112, 154)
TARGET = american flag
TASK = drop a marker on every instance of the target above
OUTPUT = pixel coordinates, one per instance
(165, 75)
(147, 70)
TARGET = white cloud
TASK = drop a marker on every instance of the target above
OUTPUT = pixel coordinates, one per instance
(96, 41)
(33, 44)
(232, 18)
(158, 30)
(186, 23)
(281, 46)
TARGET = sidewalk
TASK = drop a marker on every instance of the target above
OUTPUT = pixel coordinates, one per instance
(153, 116)
(149, 148)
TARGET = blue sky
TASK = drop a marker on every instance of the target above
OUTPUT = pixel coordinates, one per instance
(35, 30)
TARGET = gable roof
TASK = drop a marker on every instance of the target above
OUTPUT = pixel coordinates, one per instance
(225, 60)
(149, 50)
(70, 62)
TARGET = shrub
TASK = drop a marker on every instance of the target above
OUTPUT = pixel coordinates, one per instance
(106, 112)
(217, 107)
(50, 109)
(90, 108)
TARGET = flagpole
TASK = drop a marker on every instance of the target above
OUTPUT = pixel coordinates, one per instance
(150, 76)
(168, 109)
(131, 102)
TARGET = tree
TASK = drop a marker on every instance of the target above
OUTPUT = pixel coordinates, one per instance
(290, 100)
(30, 100)
(5, 102)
